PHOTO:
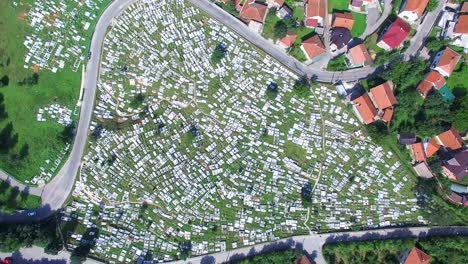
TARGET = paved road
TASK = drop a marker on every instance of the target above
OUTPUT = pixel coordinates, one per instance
(313, 244)
(373, 27)
(36, 255)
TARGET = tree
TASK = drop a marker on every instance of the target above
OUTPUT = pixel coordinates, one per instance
(459, 112)
(3, 113)
(280, 29)
(432, 5)
(218, 54)
(24, 151)
(68, 132)
(406, 74)
(435, 44)
(302, 88)
(272, 91)
(7, 139)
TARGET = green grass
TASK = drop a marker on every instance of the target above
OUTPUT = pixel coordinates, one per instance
(337, 64)
(12, 199)
(269, 25)
(458, 78)
(298, 13)
(359, 25)
(341, 5)
(295, 50)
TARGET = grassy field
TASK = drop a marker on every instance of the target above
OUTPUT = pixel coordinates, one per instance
(341, 5)
(337, 64)
(11, 199)
(359, 24)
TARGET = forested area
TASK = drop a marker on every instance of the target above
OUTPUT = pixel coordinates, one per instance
(275, 257)
(441, 249)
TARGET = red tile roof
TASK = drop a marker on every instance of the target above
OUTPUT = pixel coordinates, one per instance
(382, 96)
(464, 8)
(316, 8)
(365, 108)
(418, 152)
(425, 88)
(462, 25)
(448, 60)
(397, 33)
(388, 114)
(437, 79)
(359, 55)
(254, 11)
(313, 46)
(417, 256)
(289, 39)
(416, 6)
(344, 20)
(451, 139)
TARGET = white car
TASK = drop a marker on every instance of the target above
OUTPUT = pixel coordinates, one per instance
(31, 213)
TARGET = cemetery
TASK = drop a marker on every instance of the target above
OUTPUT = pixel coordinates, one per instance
(188, 156)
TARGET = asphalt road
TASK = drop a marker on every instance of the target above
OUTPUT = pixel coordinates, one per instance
(313, 244)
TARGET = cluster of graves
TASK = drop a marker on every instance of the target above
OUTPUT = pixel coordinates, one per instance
(186, 150)
(55, 112)
(59, 32)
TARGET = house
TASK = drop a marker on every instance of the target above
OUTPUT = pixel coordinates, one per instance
(407, 138)
(450, 139)
(313, 48)
(302, 260)
(433, 80)
(359, 5)
(422, 170)
(417, 152)
(284, 12)
(431, 147)
(315, 13)
(254, 13)
(456, 198)
(456, 168)
(358, 56)
(412, 10)
(365, 109)
(461, 27)
(447, 61)
(395, 35)
(287, 41)
(275, 3)
(383, 98)
(464, 8)
(339, 38)
(458, 28)
(344, 20)
(417, 256)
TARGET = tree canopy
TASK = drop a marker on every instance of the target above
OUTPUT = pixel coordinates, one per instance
(218, 54)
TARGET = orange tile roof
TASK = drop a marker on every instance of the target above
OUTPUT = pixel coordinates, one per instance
(416, 6)
(437, 79)
(316, 8)
(289, 39)
(432, 147)
(360, 55)
(303, 260)
(417, 256)
(365, 108)
(313, 46)
(254, 11)
(425, 87)
(448, 60)
(462, 25)
(344, 20)
(383, 96)
(418, 152)
(388, 114)
(451, 139)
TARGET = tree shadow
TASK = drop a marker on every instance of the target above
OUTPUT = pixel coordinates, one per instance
(208, 260)
(17, 257)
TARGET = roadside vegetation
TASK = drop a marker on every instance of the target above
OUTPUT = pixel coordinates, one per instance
(11, 199)
(274, 257)
(440, 249)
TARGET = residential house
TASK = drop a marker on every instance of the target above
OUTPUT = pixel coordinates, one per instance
(358, 56)
(417, 152)
(456, 168)
(339, 38)
(422, 170)
(360, 5)
(275, 3)
(417, 256)
(315, 13)
(284, 12)
(464, 8)
(412, 10)
(447, 61)
(395, 35)
(433, 80)
(254, 13)
(407, 138)
(450, 139)
(287, 41)
(458, 28)
(365, 109)
(431, 147)
(344, 20)
(383, 98)
(302, 260)
(313, 48)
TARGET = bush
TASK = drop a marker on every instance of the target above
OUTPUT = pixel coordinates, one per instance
(218, 54)
(302, 88)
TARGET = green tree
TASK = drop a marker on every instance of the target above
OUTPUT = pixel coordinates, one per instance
(272, 91)
(7, 139)
(218, 54)
(24, 151)
(3, 113)
(68, 132)
(281, 29)
(459, 112)
(406, 74)
(435, 44)
(432, 5)
(302, 87)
